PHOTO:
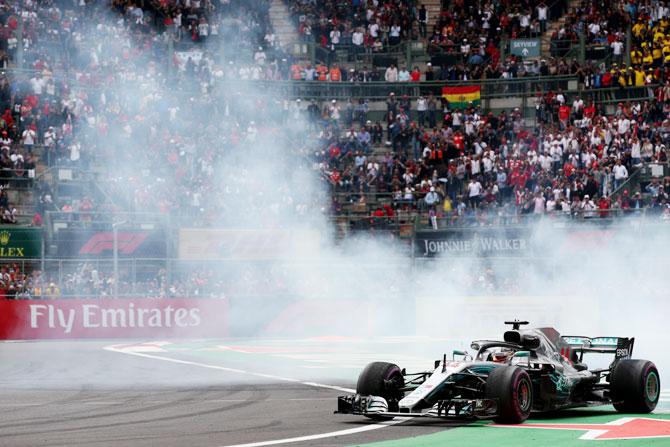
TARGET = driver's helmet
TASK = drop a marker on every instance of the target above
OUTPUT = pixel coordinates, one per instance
(502, 356)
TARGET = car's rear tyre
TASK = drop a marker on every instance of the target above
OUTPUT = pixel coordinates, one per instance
(514, 390)
(635, 386)
(384, 380)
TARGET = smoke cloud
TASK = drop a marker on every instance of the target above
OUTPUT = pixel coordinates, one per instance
(195, 143)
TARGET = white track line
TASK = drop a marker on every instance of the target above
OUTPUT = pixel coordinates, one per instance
(233, 370)
(332, 434)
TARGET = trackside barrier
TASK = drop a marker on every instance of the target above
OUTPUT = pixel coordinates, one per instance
(112, 318)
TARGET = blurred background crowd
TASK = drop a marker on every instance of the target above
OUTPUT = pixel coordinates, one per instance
(192, 109)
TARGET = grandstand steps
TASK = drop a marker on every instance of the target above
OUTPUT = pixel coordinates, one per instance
(554, 26)
(434, 8)
(284, 29)
(24, 201)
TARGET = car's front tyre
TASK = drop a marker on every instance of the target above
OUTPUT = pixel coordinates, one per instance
(384, 380)
(513, 388)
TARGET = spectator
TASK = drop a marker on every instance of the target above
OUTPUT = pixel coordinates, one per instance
(391, 74)
(620, 174)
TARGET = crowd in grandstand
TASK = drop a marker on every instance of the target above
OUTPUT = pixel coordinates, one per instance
(100, 85)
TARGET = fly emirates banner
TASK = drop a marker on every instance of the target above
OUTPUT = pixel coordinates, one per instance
(112, 318)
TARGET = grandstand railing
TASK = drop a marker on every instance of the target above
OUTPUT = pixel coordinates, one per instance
(580, 50)
(490, 88)
(404, 225)
(525, 87)
(105, 219)
(17, 178)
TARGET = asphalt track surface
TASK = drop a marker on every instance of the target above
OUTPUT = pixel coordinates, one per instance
(72, 394)
(206, 393)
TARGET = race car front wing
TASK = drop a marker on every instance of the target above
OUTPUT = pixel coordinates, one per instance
(451, 408)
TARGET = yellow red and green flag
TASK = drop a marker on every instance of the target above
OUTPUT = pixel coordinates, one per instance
(461, 96)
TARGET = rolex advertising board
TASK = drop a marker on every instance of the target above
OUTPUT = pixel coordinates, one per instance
(20, 242)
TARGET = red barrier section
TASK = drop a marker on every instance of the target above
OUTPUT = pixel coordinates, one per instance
(112, 318)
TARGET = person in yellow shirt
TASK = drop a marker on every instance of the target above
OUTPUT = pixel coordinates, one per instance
(635, 56)
(630, 77)
(666, 54)
(657, 54)
(638, 29)
(658, 35)
(447, 206)
(639, 77)
(623, 76)
(647, 58)
(650, 77)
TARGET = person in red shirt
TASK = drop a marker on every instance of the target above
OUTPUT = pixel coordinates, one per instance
(415, 75)
(568, 170)
(378, 213)
(459, 142)
(590, 110)
(625, 200)
(604, 204)
(607, 79)
(321, 72)
(296, 72)
(564, 115)
(334, 151)
(37, 220)
(377, 217)
(8, 119)
(335, 73)
(335, 177)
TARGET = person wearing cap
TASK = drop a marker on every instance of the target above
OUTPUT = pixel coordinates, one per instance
(622, 76)
(432, 197)
(586, 207)
(259, 56)
(429, 74)
(465, 48)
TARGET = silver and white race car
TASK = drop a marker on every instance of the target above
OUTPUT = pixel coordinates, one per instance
(530, 370)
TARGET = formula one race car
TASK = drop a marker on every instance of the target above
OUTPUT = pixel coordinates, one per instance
(530, 370)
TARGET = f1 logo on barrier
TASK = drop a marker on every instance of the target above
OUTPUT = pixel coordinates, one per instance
(99, 242)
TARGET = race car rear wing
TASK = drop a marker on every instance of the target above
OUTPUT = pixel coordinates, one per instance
(621, 347)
